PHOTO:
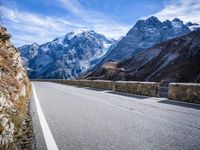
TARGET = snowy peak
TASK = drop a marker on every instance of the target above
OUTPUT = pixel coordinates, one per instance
(35, 45)
(179, 27)
(153, 21)
(67, 56)
(176, 20)
(176, 25)
(145, 34)
(81, 34)
(91, 35)
(149, 22)
(29, 51)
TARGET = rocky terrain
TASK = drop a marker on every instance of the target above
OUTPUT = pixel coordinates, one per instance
(14, 93)
(65, 57)
(145, 34)
(174, 60)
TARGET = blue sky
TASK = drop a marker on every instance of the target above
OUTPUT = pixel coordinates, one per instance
(43, 20)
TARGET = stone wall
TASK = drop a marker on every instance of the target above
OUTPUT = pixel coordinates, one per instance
(140, 88)
(102, 84)
(188, 92)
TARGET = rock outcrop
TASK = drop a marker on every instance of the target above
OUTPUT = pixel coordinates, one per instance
(14, 93)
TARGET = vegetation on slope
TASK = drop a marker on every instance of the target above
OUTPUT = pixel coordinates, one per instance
(14, 94)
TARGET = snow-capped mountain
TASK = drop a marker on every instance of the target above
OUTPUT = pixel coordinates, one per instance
(174, 60)
(145, 34)
(28, 52)
(65, 57)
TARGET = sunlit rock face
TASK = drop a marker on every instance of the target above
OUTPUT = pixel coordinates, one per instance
(14, 91)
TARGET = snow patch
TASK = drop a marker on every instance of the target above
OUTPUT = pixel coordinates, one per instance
(106, 45)
(194, 27)
(45, 49)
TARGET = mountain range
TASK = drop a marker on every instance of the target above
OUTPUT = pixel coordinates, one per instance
(144, 34)
(65, 57)
(174, 60)
(83, 52)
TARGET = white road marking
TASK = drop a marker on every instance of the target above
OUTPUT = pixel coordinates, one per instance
(50, 142)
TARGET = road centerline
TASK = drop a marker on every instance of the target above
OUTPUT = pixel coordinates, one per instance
(49, 139)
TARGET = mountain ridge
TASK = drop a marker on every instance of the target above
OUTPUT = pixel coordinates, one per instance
(144, 34)
(66, 56)
(174, 60)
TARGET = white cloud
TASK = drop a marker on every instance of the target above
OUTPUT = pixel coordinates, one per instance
(27, 27)
(95, 20)
(73, 6)
(186, 10)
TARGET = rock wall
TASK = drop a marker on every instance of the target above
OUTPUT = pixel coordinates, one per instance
(14, 90)
(188, 92)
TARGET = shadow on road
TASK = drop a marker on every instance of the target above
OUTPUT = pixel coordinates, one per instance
(94, 89)
(176, 103)
(128, 95)
(88, 88)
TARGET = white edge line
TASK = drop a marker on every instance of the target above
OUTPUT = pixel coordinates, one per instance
(50, 142)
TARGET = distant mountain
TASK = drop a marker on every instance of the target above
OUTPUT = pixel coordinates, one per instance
(174, 60)
(65, 57)
(145, 34)
(77, 52)
(28, 52)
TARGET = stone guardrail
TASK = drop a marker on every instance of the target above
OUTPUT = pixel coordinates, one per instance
(140, 88)
(188, 92)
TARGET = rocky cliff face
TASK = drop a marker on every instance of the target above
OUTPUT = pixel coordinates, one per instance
(65, 57)
(14, 91)
(175, 60)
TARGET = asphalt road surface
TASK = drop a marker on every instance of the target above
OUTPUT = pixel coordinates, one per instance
(92, 119)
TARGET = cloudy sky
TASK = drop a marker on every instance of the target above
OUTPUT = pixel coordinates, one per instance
(43, 20)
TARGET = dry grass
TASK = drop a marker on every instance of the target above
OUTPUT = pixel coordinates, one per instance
(22, 107)
(1, 128)
(11, 87)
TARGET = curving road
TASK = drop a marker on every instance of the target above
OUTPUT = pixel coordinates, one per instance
(92, 119)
